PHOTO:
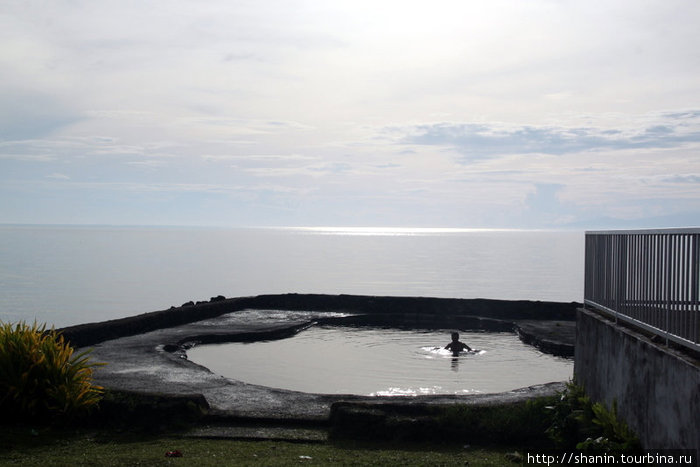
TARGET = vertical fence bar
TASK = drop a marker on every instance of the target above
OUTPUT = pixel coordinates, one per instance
(630, 281)
(648, 254)
(658, 284)
(696, 287)
(669, 284)
(695, 302)
(685, 288)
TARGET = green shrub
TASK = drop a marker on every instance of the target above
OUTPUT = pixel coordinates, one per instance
(591, 427)
(40, 375)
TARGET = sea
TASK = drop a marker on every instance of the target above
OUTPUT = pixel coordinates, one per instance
(66, 275)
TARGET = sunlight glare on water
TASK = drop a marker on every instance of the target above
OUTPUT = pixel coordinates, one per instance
(389, 231)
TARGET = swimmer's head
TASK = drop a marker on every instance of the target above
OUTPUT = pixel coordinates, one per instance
(455, 336)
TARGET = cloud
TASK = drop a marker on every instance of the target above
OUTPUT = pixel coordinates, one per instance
(27, 157)
(545, 206)
(315, 170)
(332, 167)
(682, 179)
(58, 176)
(28, 115)
(148, 163)
(256, 157)
(684, 115)
(459, 114)
(480, 140)
(42, 150)
(388, 165)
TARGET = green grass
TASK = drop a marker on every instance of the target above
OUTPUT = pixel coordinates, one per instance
(50, 447)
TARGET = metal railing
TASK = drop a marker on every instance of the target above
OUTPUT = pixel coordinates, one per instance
(649, 278)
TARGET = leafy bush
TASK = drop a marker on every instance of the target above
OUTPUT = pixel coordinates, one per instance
(587, 426)
(41, 376)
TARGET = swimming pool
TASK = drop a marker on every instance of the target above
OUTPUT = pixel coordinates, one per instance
(384, 362)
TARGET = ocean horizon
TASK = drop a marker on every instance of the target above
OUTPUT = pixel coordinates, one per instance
(71, 274)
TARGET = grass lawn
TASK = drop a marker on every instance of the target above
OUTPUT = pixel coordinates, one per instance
(51, 447)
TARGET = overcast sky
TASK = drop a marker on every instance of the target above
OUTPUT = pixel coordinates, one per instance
(509, 114)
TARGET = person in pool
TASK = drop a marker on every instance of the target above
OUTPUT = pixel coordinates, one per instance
(456, 346)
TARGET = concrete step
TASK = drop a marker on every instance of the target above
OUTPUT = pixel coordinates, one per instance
(260, 433)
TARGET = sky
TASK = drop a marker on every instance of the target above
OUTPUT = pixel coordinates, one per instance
(550, 114)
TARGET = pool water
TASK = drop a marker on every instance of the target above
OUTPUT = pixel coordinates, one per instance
(384, 362)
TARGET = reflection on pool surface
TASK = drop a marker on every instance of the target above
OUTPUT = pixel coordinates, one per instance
(377, 361)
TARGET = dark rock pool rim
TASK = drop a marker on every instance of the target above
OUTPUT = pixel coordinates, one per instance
(535, 321)
(143, 353)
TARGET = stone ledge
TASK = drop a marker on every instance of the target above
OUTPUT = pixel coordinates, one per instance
(145, 353)
(406, 309)
(514, 416)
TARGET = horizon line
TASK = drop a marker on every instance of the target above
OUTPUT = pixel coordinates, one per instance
(368, 229)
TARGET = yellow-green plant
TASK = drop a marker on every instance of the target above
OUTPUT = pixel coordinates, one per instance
(41, 375)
